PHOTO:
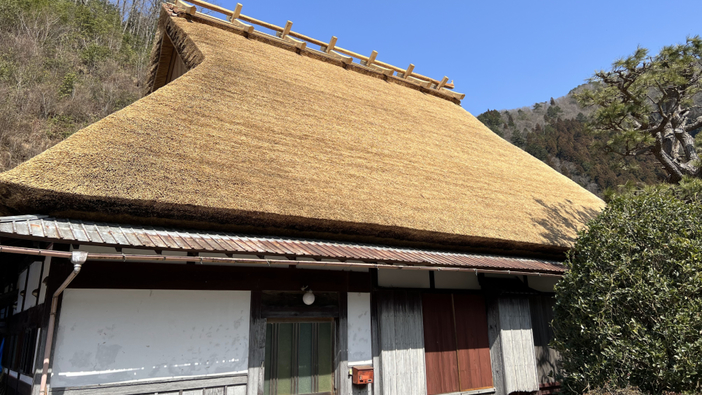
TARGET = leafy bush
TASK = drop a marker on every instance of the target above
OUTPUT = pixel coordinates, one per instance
(629, 309)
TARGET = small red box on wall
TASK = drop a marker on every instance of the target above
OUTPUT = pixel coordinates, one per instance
(362, 374)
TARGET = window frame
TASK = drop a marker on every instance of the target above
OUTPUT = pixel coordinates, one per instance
(298, 320)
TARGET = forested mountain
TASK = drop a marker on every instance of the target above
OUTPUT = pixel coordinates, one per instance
(66, 64)
(554, 131)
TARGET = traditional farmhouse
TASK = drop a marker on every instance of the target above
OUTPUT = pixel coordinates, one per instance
(280, 215)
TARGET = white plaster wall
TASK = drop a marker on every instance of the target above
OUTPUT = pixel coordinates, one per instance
(32, 284)
(359, 329)
(455, 280)
(21, 282)
(108, 336)
(42, 288)
(403, 278)
(543, 284)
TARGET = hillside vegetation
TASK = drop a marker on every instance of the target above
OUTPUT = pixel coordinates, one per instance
(555, 132)
(66, 64)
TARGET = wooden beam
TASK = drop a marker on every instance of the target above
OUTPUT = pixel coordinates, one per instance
(331, 45)
(442, 83)
(237, 12)
(286, 29)
(212, 7)
(185, 7)
(260, 23)
(371, 58)
(408, 72)
(308, 39)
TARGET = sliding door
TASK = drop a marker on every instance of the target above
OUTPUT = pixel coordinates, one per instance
(298, 358)
(457, 351)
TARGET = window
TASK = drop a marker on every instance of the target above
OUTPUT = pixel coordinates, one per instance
(299, 357)
(456, 346)
(28, 351)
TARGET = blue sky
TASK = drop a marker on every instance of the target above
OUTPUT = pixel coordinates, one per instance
(501, 54)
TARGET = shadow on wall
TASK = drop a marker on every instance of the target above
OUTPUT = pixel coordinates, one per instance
(561, 222)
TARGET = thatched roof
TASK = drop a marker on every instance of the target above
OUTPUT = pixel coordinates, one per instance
(266, 139)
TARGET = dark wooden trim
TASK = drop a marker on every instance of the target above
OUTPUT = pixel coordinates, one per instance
(435, 290)
(374, 279)
(375, 339)
(154, 386)
(432, 282)
(342, 381)
(493, 319)
(257, 346)
(282, 312)
(18, 386)
(121, 275)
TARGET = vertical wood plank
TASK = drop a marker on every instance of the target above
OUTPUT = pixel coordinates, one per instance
(472, 342)
(417, 349)
(401, 343)
(495, 340)
(257, 346)
(439, 344)
(387, 343)
(517, 345)
(375, 343)
(342, 369)
(541, 308)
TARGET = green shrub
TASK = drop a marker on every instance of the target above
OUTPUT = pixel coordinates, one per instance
(629, 310)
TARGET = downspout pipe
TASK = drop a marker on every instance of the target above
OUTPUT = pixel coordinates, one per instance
(78, 258)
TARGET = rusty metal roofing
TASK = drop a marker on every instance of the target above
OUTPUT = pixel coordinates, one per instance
(128, 236)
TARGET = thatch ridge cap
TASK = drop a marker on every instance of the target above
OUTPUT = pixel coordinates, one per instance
(377, 69)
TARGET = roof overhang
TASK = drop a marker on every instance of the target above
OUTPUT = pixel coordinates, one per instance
(269, 250)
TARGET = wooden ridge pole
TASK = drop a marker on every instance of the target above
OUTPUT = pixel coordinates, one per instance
(286, 31)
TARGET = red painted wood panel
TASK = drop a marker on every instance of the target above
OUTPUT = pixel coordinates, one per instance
(472, 340)
(439, 344)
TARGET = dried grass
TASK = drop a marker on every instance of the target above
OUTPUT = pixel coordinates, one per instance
(259, 136)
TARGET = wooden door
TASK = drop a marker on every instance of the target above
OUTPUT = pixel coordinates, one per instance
(440, 344)
(473, 347)
(457, 350)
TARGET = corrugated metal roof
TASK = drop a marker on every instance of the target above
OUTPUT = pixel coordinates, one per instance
(80, 232)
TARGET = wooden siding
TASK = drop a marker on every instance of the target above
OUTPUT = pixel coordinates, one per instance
(440, 344)
(511, 345)
(473, 347)
(223, 385)
(401, 344)
(546, 357)
(457, 350)
(257, 346)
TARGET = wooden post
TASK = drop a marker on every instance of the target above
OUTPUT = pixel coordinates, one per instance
(236, 13)
(286, 30)
(257, 346)
(408, 72)
(342, 364)
(494, 338)
(442, 83)
(371, 58)
(331, 45)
